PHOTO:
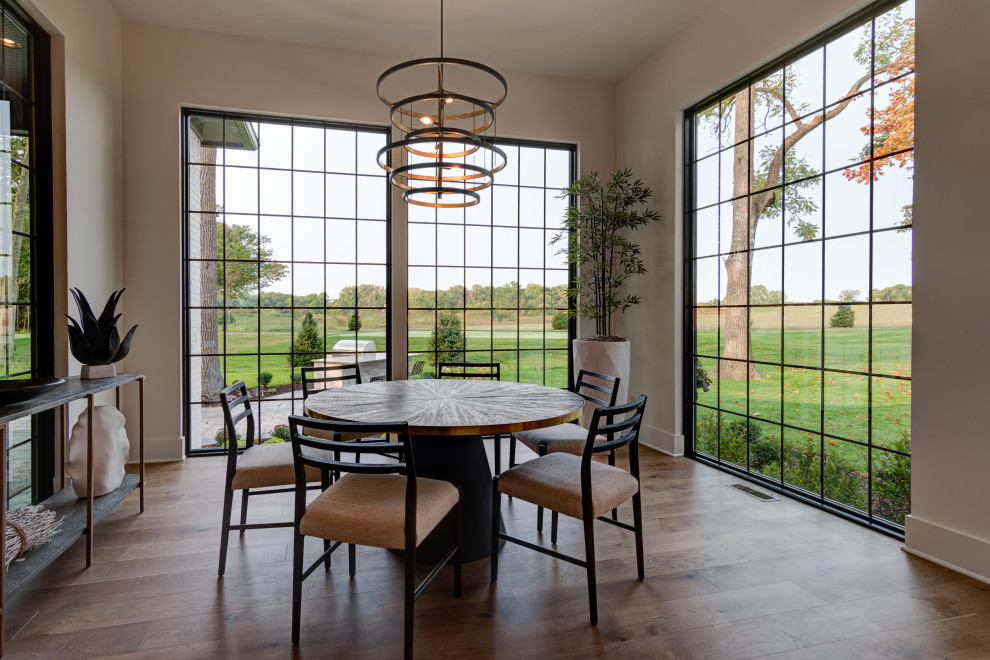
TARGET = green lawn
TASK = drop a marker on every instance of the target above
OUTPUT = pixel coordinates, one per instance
(243, 343)
(795, 395)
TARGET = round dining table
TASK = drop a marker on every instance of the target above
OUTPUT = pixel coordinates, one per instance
(447, 419)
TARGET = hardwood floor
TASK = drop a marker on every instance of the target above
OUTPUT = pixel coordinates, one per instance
(727, 576)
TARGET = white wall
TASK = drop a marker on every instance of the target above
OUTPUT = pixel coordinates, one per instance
(87, 151)
(951, 520)
(166, 68)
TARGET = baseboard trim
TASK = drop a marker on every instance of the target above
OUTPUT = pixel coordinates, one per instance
(946, 547)
(661, 440)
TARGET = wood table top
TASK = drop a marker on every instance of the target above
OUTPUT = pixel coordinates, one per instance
(449, 407)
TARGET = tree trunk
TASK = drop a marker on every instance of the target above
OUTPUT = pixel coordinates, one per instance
(211, 378)
(737, 266)
(19, 223)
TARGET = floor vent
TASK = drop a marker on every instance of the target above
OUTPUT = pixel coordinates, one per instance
(752, 492)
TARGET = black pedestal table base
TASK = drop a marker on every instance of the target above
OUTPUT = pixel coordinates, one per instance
(462, 461)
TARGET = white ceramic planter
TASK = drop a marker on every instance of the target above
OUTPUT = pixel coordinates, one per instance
(605, 357)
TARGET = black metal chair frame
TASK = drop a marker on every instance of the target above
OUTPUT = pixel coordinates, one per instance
(581, 384)
(405, 465)
(628, 435)
(231, 420)
(308, 378)
(444, 371)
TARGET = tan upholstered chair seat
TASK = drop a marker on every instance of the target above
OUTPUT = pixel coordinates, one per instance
(568, 438)
(370, 509)
(344, 437)
(261, 466)
(554, 481)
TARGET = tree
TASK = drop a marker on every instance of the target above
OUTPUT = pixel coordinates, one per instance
(760, 295)
(756, 185)
(308, 345)
(845, 317)
(242, 248)
(354, 323)
(447, 338)
(559, 321)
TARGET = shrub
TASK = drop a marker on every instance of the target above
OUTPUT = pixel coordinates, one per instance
(354, 323)
(265, 378)
(845, 317)
(279, 434)
(308, 345)
(221, 438)
(559, 321)
(447, 338)
(296, 377)
(892, 481)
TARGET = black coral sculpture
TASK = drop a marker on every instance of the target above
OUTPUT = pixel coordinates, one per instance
(95, 341)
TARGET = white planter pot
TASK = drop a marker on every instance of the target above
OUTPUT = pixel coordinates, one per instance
(605, 357)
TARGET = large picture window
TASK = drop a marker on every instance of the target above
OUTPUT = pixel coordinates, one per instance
(799, 216)
(485, 284)
(26, 281)
(286, 234)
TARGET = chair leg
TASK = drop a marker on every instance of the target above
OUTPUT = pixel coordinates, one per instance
(611, 461)
(457, 542)
(553, 527)
(539, 519)
(297, 571)
(498, 454)
(637, 502)
(351, 559)
(228, 505)
(410, 602)
(512, 450)
(326, 547)
(244, 504)
(496, 509)
(589, 554)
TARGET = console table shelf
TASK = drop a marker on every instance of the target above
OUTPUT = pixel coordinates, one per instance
(78, 515)
(72, 511)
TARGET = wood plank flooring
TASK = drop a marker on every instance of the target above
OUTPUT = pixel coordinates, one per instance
(727, 576)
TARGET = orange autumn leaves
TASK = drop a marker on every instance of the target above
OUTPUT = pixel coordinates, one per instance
(893, 125)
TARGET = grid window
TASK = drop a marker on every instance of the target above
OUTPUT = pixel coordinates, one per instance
(485, 285)
(286, 255)
(799, 188)
(25, 251)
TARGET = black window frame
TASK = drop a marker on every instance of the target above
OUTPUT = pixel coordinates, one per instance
(690, 306)
(187, 289)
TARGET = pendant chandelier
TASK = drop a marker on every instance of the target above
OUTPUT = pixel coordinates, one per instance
(441, 151)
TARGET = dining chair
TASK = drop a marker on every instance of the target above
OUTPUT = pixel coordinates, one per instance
(417, 369)
(599, 390)
(383, 505)
(476, 371)
(581, 488)
(267, 467)
(316, 379)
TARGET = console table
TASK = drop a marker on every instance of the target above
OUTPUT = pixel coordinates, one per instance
(78, 516)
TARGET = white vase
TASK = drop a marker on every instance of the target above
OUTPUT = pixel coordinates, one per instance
(110, 451)
(605, 357)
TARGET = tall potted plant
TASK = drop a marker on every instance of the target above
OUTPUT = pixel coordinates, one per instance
(596, 233)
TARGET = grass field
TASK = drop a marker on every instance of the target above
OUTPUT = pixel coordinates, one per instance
(813, 394)
(257, 342)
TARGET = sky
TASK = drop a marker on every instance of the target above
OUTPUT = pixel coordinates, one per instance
(794, 267)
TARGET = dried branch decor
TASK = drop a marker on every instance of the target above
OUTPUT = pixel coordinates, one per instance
(27, 528)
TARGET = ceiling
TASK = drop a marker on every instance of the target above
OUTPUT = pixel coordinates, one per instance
(599, 40)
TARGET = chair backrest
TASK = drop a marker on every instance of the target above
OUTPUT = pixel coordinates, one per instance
(472, 370)
(303, 456)
(600, 390)
(417, 368)
(236, 404)
(315, 379)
